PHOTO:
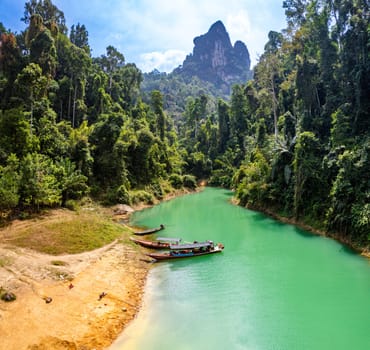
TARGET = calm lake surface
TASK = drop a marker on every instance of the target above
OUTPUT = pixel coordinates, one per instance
(273, 287)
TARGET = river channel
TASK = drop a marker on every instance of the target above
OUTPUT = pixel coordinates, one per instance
(274, 287)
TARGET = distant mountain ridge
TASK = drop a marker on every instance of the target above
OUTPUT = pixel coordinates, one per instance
(216, 60)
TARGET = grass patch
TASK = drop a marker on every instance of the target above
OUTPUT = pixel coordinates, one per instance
(69, 234)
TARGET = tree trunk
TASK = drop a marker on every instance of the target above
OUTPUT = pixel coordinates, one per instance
(74, 106)
(31, 116)
(274, 107)
(69, 102)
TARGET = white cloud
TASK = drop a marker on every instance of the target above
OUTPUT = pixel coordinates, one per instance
(163, 61)
(147, 31)
(238, 25)
(241, 27)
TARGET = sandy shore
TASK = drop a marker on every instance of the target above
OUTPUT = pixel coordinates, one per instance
(79, 316)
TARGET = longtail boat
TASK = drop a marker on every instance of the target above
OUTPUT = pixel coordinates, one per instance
(150, 231)
(179, 251)
(159, 243)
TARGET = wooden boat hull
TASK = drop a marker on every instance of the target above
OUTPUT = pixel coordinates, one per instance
(171, 255)
(149, 232)
(151, 244)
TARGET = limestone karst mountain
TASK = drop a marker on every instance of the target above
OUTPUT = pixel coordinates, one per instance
(213, 67)
(216, 60)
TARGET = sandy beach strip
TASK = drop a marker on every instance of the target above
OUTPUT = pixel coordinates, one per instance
(93, 296)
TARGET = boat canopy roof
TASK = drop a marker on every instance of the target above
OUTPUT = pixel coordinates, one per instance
(190, 246)
(168, 239)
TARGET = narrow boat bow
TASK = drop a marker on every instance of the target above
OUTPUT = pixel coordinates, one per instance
(149, 231)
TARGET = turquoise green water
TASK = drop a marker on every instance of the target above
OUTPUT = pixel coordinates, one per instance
(274, 286)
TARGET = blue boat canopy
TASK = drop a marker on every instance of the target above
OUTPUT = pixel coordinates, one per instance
(168, 239)
(191, 245)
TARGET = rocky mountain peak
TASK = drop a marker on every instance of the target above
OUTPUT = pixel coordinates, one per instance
(216, 60)
(217, 26)
(218, 32)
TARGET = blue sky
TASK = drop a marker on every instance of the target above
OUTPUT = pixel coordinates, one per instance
(159, 33)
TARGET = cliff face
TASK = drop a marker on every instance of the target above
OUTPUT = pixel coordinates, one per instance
(216, 60)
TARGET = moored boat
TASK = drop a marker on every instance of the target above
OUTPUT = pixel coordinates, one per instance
(180, 251)
(159, 243)
(149, 231)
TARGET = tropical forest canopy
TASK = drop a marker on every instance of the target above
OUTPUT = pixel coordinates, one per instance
(294, 140)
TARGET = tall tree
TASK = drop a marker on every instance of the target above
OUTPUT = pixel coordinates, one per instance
(157, 103)
(9, 184)
(32, 87)
(239, 122)
(39, 186)
(295, 11)
(48, 12)
(10, 64)
(125, 88)
(15, 135)
(80, 37)
(267, 76)
(72, 76)
(42, 46)
(103, 138)
(309, 178)
(110, 63)
(223, 112)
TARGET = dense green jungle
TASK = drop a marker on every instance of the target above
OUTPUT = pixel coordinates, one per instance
(294, 140)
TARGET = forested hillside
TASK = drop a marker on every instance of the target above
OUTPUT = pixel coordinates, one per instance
(176, 90)
(71, 124)
(295, 140)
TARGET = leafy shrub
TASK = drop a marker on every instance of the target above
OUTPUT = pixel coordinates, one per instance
(220, 180)
(189, 181)
(23, 215)
(109, 197)
(72, 205)
(157, 190)
(141, 196)
(166, 186)
(122, 195)
(176, 181)
(251, 181)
